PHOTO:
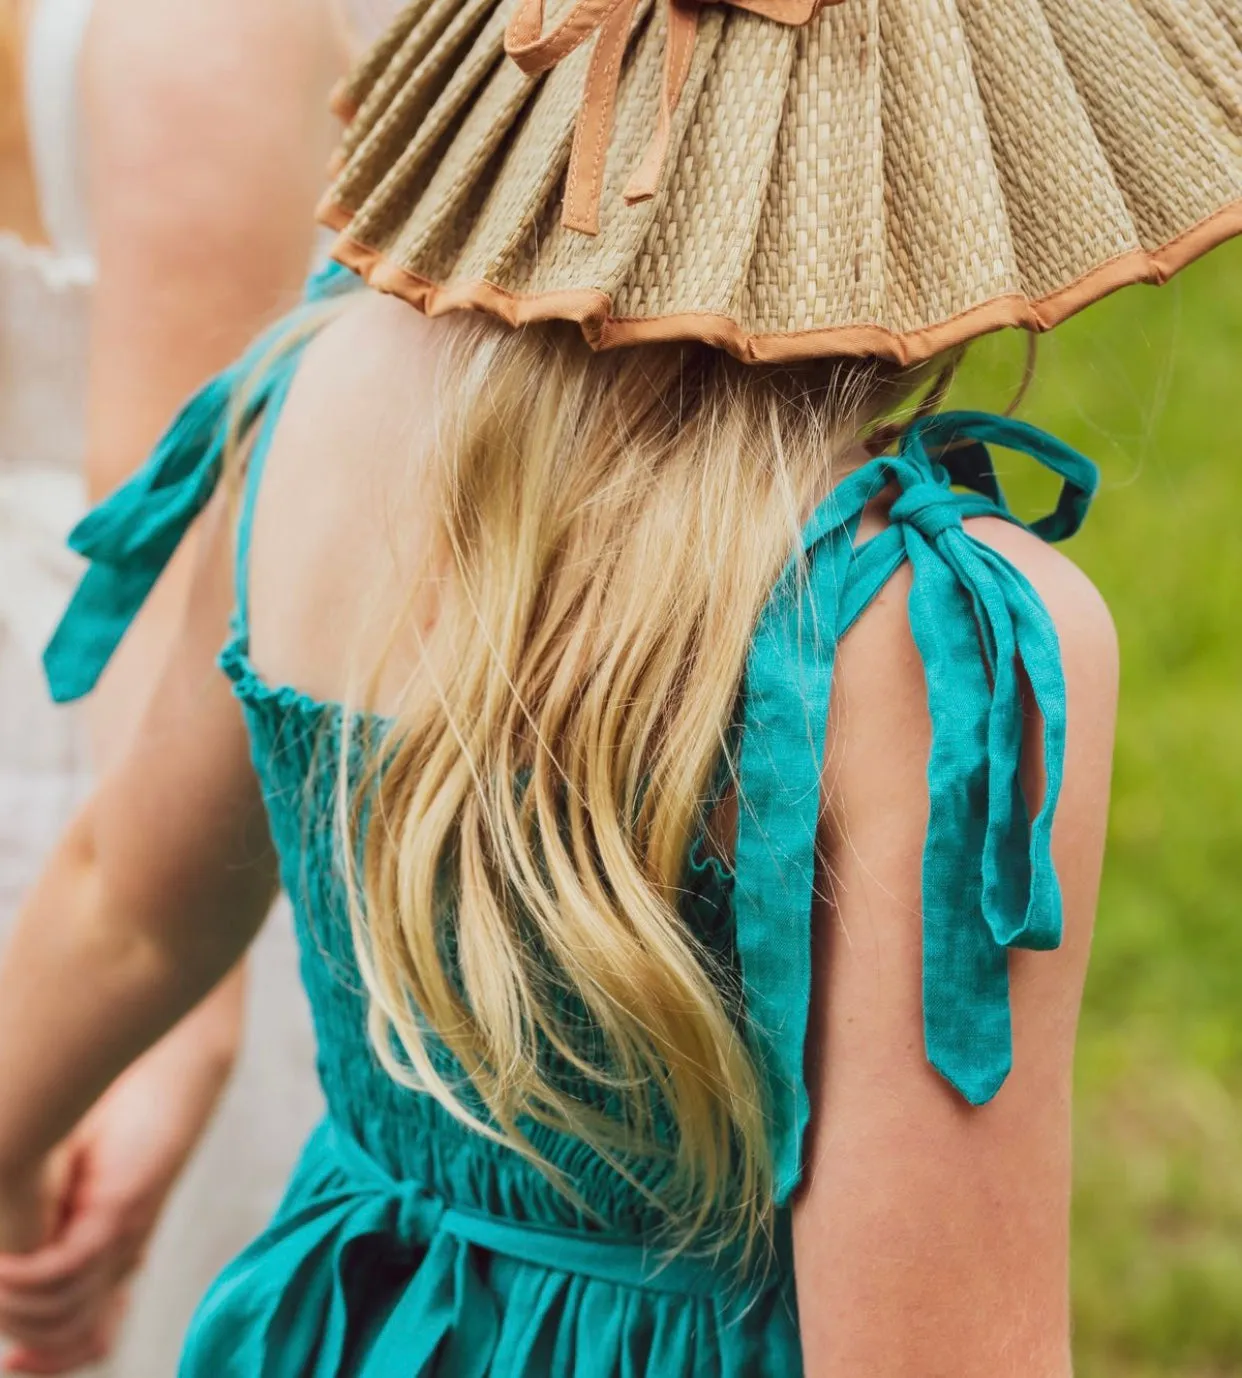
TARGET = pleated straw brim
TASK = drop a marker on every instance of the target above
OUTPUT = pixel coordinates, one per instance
(893, 178)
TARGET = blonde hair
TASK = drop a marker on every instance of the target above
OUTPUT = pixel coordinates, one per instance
(609, 527)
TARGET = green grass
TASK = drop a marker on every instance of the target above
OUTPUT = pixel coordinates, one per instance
(1147, 384)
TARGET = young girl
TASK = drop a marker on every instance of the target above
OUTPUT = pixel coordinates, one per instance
(664, 785)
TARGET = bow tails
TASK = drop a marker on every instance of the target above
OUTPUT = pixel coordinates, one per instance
(989, 648)
(988, 879)
(130, 538)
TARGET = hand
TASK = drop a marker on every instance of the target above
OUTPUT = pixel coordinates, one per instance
(62, 1304)
(62, 1301)
(30, 1215)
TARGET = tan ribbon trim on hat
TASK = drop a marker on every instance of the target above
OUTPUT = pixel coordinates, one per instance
(536, 52)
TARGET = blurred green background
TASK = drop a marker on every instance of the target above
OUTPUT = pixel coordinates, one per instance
(1149, 384)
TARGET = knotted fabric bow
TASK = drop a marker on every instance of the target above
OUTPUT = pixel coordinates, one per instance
(536, 52)
(988, 880)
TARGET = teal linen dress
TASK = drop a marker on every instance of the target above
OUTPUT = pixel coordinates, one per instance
(408, 1245)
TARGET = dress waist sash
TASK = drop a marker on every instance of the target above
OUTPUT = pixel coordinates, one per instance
(607, 1258)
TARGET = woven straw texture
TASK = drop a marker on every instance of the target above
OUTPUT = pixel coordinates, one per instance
(894, 177)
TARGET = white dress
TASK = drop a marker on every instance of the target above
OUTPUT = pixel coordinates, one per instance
(239, 1171)
(43, 305)
(44, 299)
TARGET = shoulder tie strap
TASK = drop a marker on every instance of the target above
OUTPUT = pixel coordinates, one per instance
(988, 878)
(131, 536)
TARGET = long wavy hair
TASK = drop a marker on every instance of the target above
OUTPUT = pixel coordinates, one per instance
(608, 527)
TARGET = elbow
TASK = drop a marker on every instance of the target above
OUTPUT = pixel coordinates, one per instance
(95, 914)
(221, 1021)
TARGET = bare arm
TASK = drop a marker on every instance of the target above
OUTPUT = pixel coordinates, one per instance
(151, 898)
(932, 1238)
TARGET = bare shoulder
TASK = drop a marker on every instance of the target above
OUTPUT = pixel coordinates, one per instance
(373, 357)
(358, 420)
(341, 517)
(880, 687)
(1081, 616)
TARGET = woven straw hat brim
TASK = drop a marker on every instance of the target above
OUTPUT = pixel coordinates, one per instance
(893, 178)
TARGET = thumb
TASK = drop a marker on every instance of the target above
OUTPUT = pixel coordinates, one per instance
(60, 1183)
(35, 1206)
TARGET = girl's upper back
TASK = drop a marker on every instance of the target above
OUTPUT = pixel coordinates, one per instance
(344, 514)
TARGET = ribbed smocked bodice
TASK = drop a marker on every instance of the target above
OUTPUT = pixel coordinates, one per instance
(295, 748)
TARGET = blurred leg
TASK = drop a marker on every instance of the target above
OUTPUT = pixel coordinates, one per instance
(18, 211)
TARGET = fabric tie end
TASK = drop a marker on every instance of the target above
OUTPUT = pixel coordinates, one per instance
(978, 1084)
(65, 682)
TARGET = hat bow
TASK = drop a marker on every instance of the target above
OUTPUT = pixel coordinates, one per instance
(536, 52)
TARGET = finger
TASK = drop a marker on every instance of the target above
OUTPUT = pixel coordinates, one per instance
(85, 1240)
(97, 1345)
(48, 1362)
(48, 1302)
(44, 1298)
(44, 1319)
(62, 1326)
(18, 1307)
(55, 1333)
(32, 1361)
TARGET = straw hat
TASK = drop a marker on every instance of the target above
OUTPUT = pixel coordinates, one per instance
(790, 178)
